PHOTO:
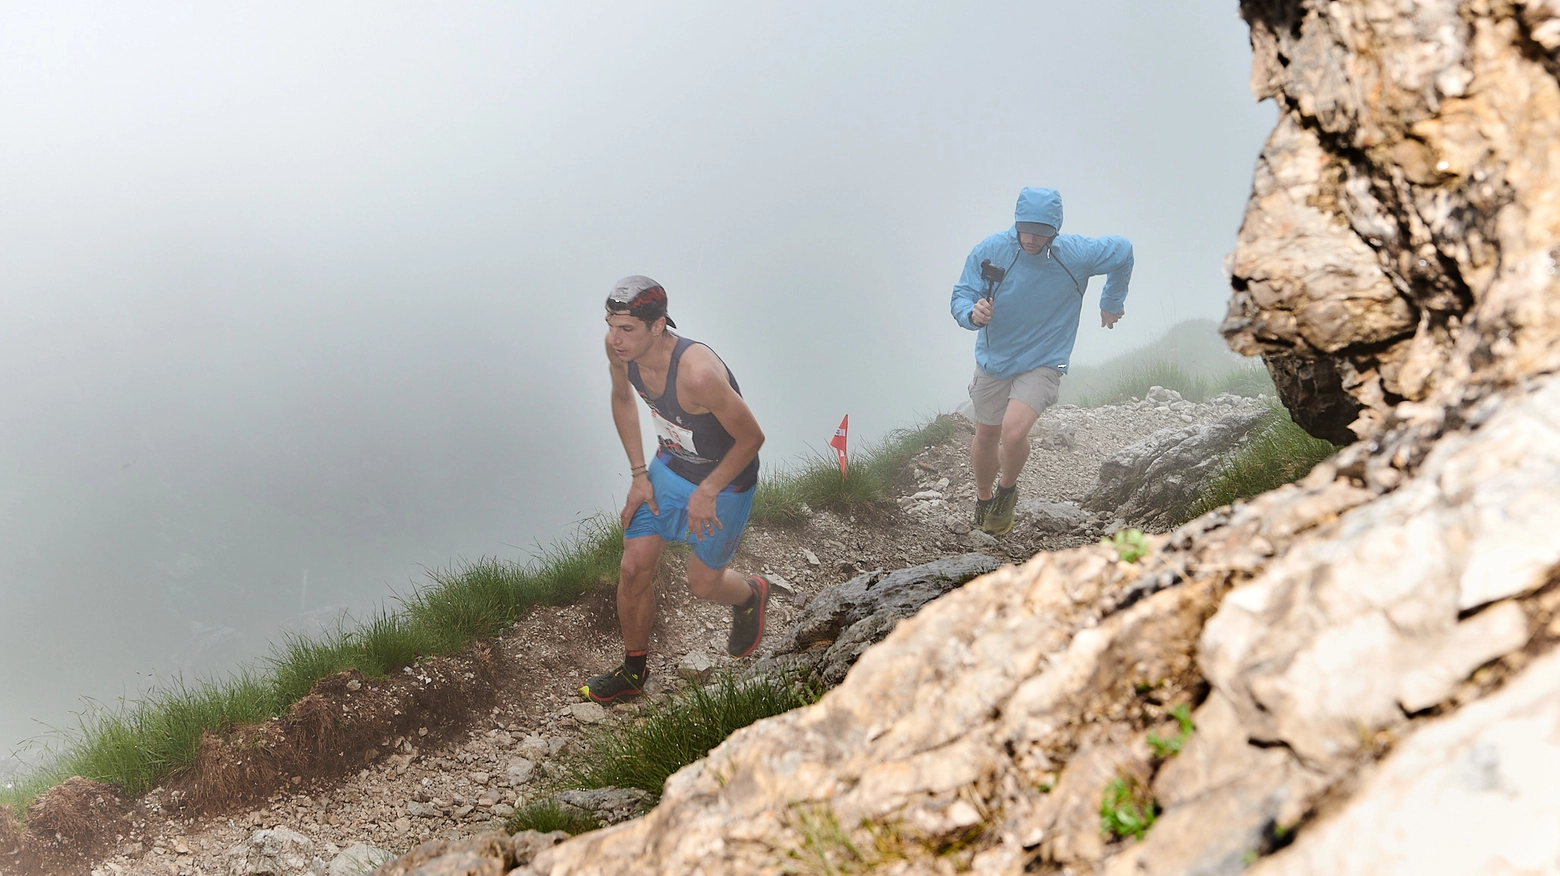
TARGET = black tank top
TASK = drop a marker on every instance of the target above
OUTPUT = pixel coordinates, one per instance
(690, 444)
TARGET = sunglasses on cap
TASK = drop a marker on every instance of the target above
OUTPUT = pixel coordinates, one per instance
(647, 304)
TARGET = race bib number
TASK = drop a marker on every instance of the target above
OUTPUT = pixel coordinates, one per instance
(674, 439)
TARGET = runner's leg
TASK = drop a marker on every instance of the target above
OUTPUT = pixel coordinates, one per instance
(717, 585)
(636, 590)
(1014, 452)
(983, 458)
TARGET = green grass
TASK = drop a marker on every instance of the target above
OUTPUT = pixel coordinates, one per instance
(546, 816)
(682, 729)
(1126, 809)
(1279, 453)
(1166, 748)
(142, 741)
(816, 484)
(669, 735)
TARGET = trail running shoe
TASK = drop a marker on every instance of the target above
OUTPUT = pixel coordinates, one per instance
(618, 686)
(747, 619)
(982, 511)
(1000, 519)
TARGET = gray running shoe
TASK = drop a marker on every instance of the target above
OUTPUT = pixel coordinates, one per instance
(1000, 519)
(747, 620)
(982, 511)
(620, 685)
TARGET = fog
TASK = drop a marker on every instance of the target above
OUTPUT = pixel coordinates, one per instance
(298, 299)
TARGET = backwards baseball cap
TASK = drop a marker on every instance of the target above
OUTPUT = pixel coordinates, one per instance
(639, 297)
(1039, 228)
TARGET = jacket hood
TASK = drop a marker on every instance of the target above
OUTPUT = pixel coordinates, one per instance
(1039, 205)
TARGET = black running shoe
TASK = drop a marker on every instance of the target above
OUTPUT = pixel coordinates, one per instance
(618, 686)
(1000, 519)
(747, 619)
(982, 509)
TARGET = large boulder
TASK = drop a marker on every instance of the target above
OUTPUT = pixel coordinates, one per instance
(841, 623)
(1153, 482)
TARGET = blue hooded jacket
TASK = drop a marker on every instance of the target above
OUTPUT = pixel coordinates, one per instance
(1035, 313)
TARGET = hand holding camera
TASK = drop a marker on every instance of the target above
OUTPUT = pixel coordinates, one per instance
(981, 314)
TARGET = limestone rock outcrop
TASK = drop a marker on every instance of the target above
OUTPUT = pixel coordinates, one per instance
(1403, 217)
(846, 620)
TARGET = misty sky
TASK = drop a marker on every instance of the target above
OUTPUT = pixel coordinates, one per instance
(314, 291)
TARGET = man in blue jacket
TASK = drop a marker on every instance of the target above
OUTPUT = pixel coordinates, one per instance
(1022, 291)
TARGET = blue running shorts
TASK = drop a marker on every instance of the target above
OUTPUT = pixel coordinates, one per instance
(672, 492)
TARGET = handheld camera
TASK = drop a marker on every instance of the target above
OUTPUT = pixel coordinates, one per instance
(993, 276)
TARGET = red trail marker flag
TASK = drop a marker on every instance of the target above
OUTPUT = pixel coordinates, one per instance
(838, 443)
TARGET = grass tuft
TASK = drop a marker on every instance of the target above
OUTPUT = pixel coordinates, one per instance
(669, 735)
(1126, 809)
(1166, 748)
(546, 816)
(1279, 452)
(682, 729)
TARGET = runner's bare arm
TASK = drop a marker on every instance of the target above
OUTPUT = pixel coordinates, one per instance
(704, 387)
(625, 416)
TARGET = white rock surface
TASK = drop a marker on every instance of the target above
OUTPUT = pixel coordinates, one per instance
(359, 859)
(275, 852)
(1475, 792)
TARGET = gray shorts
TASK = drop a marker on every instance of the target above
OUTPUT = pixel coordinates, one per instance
(1037, 389)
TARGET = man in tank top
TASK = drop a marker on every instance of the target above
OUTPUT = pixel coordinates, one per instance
(698, 488)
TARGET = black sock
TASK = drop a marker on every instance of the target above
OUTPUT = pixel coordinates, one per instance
(636, 662)
(752, 601)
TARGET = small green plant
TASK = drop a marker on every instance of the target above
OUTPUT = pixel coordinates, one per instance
(1130, 544)
(1126, 809)
(546, 816)
(1164, 748)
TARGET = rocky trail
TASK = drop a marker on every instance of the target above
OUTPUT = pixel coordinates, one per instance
(490, 746)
